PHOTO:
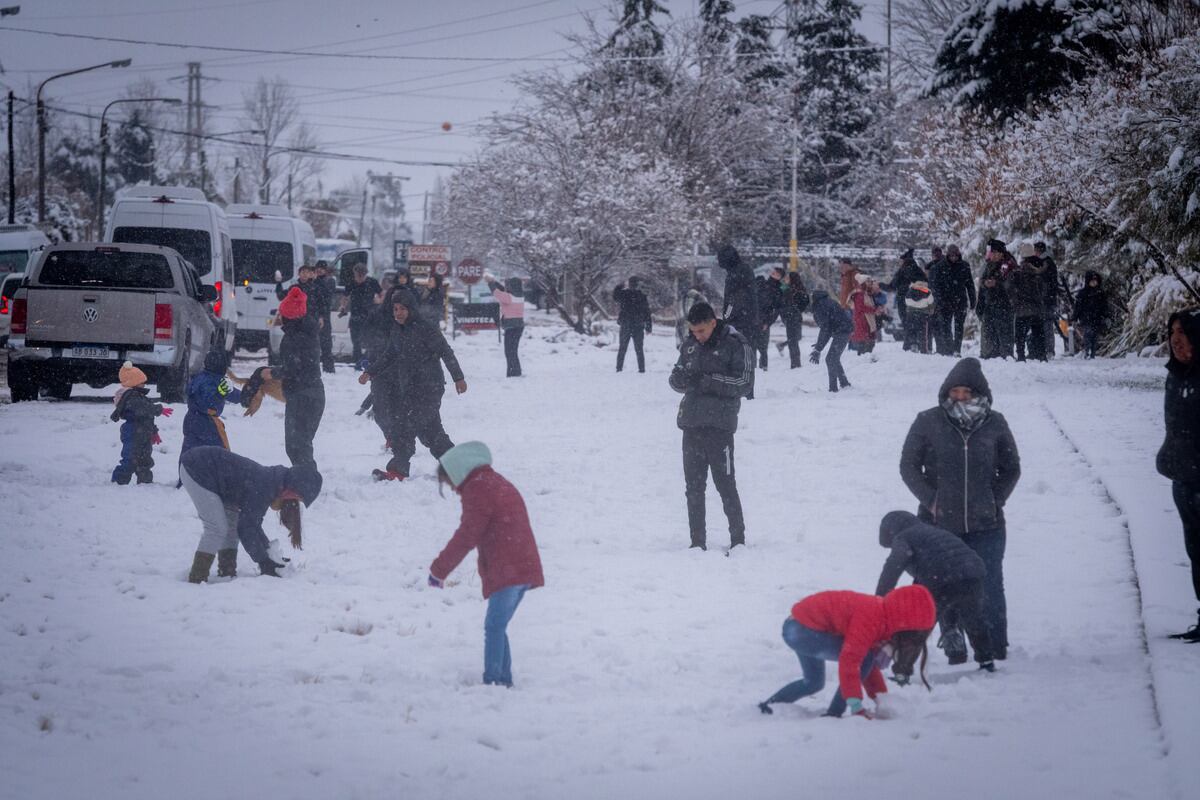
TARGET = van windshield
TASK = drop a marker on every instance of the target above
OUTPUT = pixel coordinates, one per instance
(256, 260)
(113, 270)
(13, 260)
(194, 245)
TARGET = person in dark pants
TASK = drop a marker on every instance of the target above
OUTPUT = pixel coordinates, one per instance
(994, 309)
(362, 299)
(908, 272)
(961, 462)
(950, 570)
(511, 298)
(1179, 457)
(299, 370)
(139, 434)
(769, 291)
(836, 326)
(633, 320)
(1091, 311)
(714, 371)
(1049, 295)
(412, 365)
(1026, 291)
(953, 296)
(324, 289)
(740, 307)
(791, 310)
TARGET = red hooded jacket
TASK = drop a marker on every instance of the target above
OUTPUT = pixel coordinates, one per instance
(495, 522)
(865, 622)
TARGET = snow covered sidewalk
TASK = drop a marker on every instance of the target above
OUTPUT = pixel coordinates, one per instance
(638, 666)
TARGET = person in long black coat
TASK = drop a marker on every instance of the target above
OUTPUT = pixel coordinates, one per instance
(1091, 311)
(633, 321)
(740, 307)
(960, 461)
(951, 571)
(908, 273)
(321, 296)
(953, 296)
(835, 326)
(299, 370)
(995, 312)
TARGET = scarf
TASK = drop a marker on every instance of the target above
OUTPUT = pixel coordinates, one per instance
(969, 415)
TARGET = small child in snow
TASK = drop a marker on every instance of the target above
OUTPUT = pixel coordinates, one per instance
(494, 522)
(207, 394)
(138, 432)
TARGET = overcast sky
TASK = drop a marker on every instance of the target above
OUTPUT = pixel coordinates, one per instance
(387, 109)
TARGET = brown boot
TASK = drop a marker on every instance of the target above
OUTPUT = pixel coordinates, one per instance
(227, 563)
(201, 564)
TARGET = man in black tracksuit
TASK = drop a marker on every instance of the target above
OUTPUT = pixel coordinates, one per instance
(961, 462)
(411, 364)
(1179, 457)
(951, 571)
(361, 300)
(634, 321)
(953, 296)
(836, 327)
(299, 369)
(714, 371)
(324, 287)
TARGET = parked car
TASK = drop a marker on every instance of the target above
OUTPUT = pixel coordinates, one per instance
(343, 273)
(17, 244)
(184, 220)
(8, 288)
(266, 239)
(85, 308)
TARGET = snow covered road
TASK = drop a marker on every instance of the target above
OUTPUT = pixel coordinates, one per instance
(638, 666)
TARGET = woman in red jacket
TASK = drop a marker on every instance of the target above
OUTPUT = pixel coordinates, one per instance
(494, 522)
(852, 629)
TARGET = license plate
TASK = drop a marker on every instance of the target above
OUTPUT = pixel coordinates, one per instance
(91, 352)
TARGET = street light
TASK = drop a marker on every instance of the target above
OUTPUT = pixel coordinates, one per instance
(41, 126)
(173, 101)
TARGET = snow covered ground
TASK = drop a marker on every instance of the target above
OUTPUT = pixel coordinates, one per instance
(639, 665)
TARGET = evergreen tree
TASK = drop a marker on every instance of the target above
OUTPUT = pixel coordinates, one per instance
(758, 64)
(639, 39)
(132, 149)
(716, 30)
(1001, 56)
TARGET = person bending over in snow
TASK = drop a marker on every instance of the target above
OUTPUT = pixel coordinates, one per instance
(232, 494)
(857, 631)
(496, 524)
(952, 572)
(836, 326)
(139, 434)
(206, 396)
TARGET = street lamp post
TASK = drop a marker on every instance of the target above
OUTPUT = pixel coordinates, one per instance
(41, 126)
(174, 101)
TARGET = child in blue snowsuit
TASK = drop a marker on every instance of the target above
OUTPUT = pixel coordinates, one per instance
(139, 434)
(207, 393)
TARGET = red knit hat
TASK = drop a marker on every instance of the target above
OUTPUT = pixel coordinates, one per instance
(295, 305)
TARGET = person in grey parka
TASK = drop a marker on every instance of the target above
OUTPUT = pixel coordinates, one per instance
(952, 572)
(961, 462)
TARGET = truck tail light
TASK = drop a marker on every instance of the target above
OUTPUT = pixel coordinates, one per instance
(164, 316)
(3, 305)
(220, 298)
(20, 311)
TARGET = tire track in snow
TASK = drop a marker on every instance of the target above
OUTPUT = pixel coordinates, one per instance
(1133, 574)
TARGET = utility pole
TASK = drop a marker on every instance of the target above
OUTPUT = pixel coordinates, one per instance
(425, 218)
(362, 218)
(189, 141)
(793, 250)
(12, 167)
(889, 51)
(237, 180)
(289, 204)
(374, 197)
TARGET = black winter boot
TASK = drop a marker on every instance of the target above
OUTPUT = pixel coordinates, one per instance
(201, 564)
(1191, 634)
(955, 645)
(227, 563)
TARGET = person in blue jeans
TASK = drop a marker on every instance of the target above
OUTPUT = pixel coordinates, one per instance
(496, 523)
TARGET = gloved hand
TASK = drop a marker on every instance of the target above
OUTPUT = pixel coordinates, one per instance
(436, 583)
(343, 314)
(252, 386)
(855, 705)
(278, 276)
(167, 411)
(269, 567)
(156, 439)
(814, 357)
(648, 326)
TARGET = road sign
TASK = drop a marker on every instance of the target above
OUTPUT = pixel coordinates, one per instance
(400, 250)
(424, 258)
(469, 271)
(442, 268)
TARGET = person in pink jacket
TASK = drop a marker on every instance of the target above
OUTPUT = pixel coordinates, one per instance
(496, 524)
(511, 298)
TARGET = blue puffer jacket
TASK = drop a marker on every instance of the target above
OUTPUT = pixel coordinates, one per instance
(207, 394)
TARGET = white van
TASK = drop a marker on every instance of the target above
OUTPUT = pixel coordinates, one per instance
(182, 219)
(16, 244)
(266, 239)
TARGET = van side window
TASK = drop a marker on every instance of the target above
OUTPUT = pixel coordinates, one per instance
(310, 254)
(227, 257)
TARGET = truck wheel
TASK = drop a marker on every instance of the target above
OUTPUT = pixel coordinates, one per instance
(59, 389)
(21, 382)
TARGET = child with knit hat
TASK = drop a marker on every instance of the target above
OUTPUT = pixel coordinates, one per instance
(138, 432)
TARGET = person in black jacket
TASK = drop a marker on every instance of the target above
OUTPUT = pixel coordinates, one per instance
(1027, 293)
(951, 571)
(362, 298)
(714, 371)
(836, 326)
(740, 308)
(995, 313)
(432, 297)
(791, 309)
(961, 462)
(324, 289)
(953, 296)
(1091, 311)
(138, 431)
(769, 292)
(1179, 457)
(411, 365)
(908, 272)
(633, 320)
(232, 494)
(1049, 295)
(299, 370)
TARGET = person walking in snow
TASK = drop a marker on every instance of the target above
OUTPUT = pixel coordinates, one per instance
(1091, 311)
(769, 291)
(633, 321)
(908, 272)
(835, 328)
(232, 495)
(855, 630)
(511, 298)
(1027, 291)
(321, 295)
(362, 298)
(714, 371)
(994, 310)
(139, 434)
(951, 571)
(1178, 459)
(411, 368)
(791, 310)
(494, 523)
(1050, 290)
(953, 296)
(865, 315)
(960, 460)
(207, 393)
(740, 308)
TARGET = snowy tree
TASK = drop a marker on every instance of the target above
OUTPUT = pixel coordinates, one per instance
(1002, 56)
(271, 107)
(918, 28)
(758, 62)
(133, 150)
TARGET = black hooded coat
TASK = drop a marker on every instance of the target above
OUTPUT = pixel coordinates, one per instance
(1179, 457)
(741, 295)
(934, 557)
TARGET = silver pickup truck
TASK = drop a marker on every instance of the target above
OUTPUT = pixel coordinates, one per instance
(85, 308)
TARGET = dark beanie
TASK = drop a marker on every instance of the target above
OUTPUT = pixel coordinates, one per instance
(306, 481)
(895, 522)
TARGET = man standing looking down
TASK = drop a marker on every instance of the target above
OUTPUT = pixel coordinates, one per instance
(714, 371)
(634, 320)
